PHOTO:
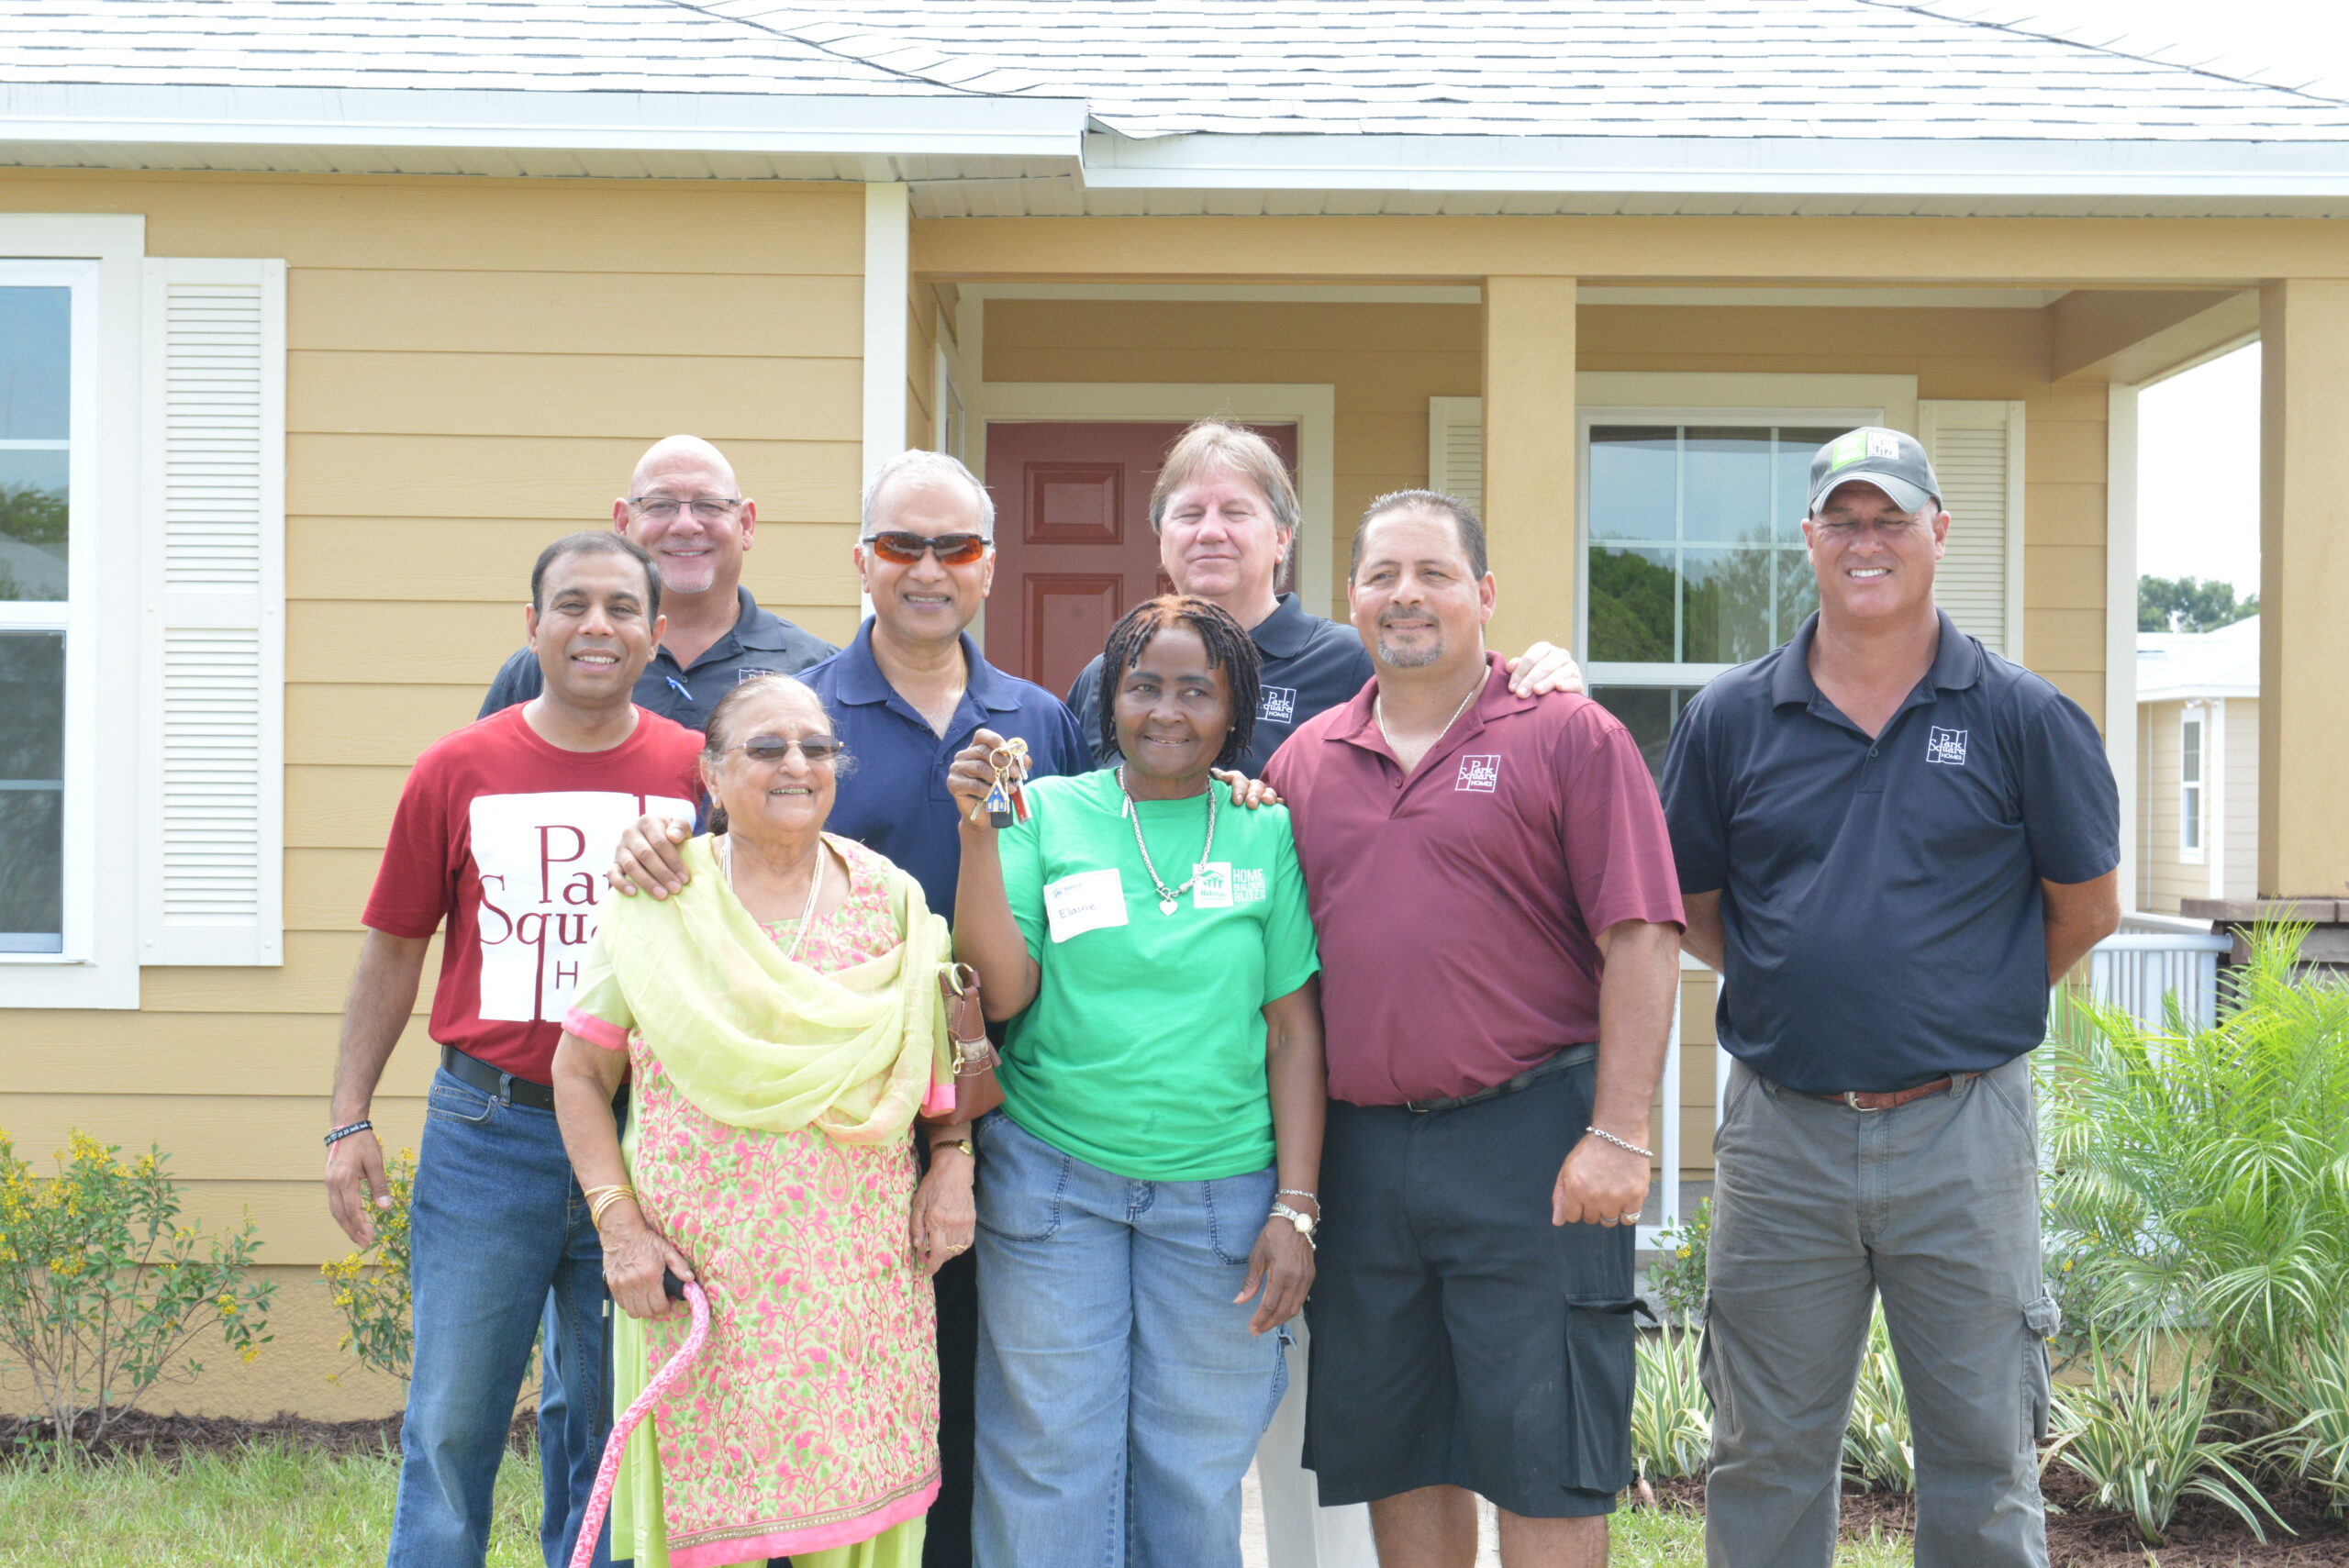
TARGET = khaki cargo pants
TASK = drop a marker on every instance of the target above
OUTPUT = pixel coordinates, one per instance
(1819, 1208)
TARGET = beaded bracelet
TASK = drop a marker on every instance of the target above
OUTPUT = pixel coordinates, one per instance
(340, 1133)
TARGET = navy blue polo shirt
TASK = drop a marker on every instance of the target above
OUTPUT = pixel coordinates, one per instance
(1310, 665)
(893, 798)
(761, 643)
(1880, 898)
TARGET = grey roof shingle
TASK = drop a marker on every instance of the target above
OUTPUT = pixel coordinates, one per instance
(1838, 70)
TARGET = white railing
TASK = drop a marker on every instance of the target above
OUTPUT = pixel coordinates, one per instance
(1668, 1149)
(2135, 971)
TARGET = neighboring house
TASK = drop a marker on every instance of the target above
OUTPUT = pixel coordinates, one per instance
(2197, 766)
(319, 320)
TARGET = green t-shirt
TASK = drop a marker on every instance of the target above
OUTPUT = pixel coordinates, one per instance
(1143, 1052)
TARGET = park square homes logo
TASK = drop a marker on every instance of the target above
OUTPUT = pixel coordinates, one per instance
(1945, 746)
(1481, 774)
(1278, 706)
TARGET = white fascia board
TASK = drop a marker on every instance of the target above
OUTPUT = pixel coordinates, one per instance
(911, 125)
(1720, 165)
(2196, 692)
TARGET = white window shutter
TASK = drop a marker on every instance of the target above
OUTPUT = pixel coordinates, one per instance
(1976, 448)
(1456, 448)
(212, 704)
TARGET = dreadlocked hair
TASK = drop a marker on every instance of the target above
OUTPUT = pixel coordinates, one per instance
(1230, 650)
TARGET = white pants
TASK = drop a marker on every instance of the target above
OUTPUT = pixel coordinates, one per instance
(1298, 1533)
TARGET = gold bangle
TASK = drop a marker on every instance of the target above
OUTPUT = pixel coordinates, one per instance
(600, 1200)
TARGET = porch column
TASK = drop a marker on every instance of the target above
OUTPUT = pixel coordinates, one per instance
(2304, 582)
(1530, 452)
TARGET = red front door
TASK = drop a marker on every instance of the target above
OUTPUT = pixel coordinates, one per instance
(1073, 542)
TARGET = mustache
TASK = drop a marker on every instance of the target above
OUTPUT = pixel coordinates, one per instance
(1392, 613)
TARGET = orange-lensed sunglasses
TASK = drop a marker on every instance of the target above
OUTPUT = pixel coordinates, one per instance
(905, 549)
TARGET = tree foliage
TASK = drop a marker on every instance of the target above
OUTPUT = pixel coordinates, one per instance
(2189, 603)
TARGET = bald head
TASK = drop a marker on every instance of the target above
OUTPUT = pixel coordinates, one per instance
(683, 505)
(676, 454)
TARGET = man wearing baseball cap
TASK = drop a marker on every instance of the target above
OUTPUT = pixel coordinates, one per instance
(1890, 842)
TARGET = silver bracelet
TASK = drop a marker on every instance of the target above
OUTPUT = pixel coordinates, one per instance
(1297, 1192)
(1625, 1145)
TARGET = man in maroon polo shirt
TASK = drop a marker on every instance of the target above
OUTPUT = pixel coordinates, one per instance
(1492, 885)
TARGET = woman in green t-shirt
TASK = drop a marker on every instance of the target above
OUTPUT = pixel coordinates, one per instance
(1151, 1171)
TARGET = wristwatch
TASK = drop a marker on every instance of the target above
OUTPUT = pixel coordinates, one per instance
(1305, 1224)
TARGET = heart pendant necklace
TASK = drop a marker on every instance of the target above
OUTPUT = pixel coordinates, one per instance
(1168, 896)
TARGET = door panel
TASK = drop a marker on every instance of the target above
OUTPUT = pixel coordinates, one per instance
(1073, 547)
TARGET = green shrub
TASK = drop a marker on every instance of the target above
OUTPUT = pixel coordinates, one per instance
(2201, 1175)
(2310, 1395)
(371, 1286)
(2142, 1450)
(1879, 1450)
(101, 1290)
(1678, 1277)
(1671, 1421)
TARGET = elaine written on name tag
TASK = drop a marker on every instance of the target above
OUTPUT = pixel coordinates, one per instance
(1087, 902)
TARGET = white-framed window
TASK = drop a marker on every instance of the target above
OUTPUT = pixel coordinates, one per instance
(2191, 777)
(142, 609)
(49, 518)
(1692, 548)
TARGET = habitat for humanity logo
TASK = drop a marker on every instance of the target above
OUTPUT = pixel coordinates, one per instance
(1946, 746)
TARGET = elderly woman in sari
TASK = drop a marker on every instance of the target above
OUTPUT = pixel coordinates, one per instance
(782, 1022)
(1146, 1200)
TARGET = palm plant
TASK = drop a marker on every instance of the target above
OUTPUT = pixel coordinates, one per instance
(2201, 1175)
(2143, 1451)
(1671, 1421)
(1879, 1451)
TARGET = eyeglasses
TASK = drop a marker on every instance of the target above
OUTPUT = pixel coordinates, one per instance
(905, 549)
(665, 508)
(772, 749)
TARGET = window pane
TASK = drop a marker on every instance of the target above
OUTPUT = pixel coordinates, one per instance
(1728, 495)
(32, 521)
(32, 785)
(1795, 449)
(35, 353)
(1631, 605)
(1632, 481)
(1798, 594)
(1726, 607)
(1649, 713)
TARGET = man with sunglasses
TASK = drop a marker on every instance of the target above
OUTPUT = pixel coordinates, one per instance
(684, 508)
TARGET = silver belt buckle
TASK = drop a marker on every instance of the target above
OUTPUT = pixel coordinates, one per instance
(1852, 1098)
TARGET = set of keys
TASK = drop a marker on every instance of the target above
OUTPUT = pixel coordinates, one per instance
(1005, 802)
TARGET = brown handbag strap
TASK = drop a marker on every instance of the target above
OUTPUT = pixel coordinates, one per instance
(959, 984)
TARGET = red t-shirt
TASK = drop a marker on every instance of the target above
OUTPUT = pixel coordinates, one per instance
(1454, 907)
(507, 839)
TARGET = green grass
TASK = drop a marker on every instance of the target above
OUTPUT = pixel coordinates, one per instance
(271, 1504)
(267, 1507)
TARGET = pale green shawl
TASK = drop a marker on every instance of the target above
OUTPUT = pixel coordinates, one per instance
(760, 1041)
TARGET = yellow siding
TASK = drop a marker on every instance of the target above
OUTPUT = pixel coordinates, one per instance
(2164, 875)
(474, 367)
(2242, 802)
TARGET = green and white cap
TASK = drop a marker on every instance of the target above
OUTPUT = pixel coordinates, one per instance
(1893, 463)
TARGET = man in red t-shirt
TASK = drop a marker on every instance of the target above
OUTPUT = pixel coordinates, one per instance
(502, 833)
(1492, 887)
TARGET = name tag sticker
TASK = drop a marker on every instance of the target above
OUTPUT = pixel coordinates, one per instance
(1213, 888)
(1089, 901)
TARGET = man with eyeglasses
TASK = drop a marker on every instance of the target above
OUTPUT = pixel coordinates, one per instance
(684, 508)
(907, 693)
(1891, 842)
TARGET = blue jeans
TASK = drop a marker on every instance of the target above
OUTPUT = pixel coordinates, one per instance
(498, 1237)
(1120, 1395)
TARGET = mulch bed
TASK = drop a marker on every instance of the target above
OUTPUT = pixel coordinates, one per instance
(2203, 1535)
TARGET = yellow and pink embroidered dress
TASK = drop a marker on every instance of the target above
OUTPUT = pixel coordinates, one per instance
(767, 1138)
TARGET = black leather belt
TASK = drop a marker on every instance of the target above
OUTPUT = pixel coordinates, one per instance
(480, 1074)
(1571, 1056)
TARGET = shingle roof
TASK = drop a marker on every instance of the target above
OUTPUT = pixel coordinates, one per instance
(1840, 69)
(1848, 69)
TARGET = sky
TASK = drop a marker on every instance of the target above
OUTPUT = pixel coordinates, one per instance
(2198, 481)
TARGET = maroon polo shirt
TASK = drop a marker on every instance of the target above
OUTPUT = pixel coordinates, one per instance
(1455, 905)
